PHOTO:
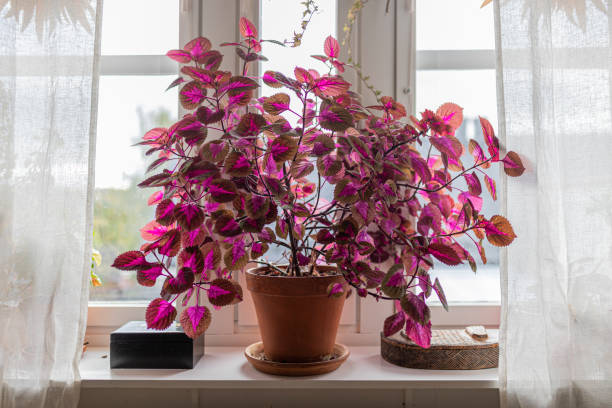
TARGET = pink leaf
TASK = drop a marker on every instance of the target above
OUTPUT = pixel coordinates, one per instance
(473, 183)
(184, 280)
(164, 213)
(449, 145)
(170, 243)
(179, 56)
(189, 216)
(247, 29)
(440, 292)
(197, 48)
(415, 307)
(156, 197)
(394, 323)
(513, 165)
(155, 133)
(216, 291)
(475, 201)
(152, 231)
(160, 314)
(238, 252)
(362, 209)
(397, 280)
(192, 94)
(339, 66)
(302, 75)
(331, 47)
(191, 257)
(199, 317)
(451, 114)
(490, 138)
(147, 277)
(331, 86)
(444, 254)
(130, 261)
(420, 334)
(490, 183)
(335, 290)
(422, 169)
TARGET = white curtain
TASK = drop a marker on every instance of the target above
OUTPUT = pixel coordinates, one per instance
(48, 92)
(554, 89)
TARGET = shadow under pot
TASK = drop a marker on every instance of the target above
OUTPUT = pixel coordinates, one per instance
(298, 320)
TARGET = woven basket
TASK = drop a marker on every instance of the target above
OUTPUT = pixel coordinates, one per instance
(450, 350)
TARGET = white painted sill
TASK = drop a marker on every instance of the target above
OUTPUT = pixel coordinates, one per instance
(103, 318)
(226, 367)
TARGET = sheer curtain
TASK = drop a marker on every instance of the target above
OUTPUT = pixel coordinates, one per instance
(48, 92)
(554, 77)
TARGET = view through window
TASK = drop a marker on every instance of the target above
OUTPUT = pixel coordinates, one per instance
(452, 36)
(128, 106)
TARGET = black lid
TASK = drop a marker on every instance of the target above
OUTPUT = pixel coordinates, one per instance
(137, 331)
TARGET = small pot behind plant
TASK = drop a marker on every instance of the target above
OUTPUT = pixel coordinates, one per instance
(298, 320)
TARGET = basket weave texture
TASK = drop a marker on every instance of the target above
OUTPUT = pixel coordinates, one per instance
(450, 350)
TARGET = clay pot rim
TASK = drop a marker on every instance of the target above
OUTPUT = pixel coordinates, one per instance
(251, 271)
(292, 286)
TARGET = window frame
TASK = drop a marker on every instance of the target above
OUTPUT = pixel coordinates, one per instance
(397, 79)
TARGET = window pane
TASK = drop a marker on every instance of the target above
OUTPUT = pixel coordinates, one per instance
(454, 25)
(475, 91)
(128, 107)
(280, 19)
(140, 27)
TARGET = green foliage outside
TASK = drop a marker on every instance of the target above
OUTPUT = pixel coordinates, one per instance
(118, 215)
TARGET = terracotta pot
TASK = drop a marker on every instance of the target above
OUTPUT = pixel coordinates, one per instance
(298, 321)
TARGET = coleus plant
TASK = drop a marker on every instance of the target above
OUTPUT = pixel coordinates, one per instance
(237, 178)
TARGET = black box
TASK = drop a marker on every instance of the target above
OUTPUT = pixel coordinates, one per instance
(135, 346)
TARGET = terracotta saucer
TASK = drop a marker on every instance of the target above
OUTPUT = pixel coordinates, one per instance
(254, 353)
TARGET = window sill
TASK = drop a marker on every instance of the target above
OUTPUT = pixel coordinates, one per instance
(226, 367)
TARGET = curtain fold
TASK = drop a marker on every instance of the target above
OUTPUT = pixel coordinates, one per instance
(554, 90)
(49, 54)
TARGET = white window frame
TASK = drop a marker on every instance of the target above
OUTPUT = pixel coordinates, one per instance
(390, 36)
